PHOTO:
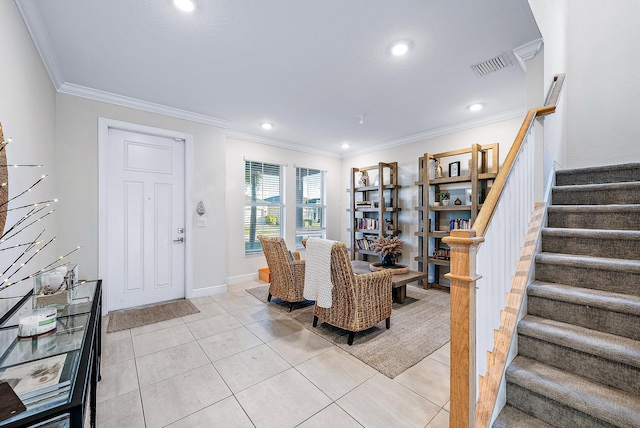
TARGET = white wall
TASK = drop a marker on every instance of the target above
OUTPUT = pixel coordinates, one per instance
(242, 266)
(77, 173)
(603, 63)
(27, 113)
(407, 156)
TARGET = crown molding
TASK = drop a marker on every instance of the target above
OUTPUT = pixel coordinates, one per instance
(108, 97)
(462, 126)
(278, 143)
(527, 51)
(35, 26)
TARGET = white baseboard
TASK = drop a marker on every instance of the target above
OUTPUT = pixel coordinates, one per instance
(242, 278)
(207, 291)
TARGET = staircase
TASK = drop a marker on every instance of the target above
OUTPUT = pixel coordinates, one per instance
(578, 362)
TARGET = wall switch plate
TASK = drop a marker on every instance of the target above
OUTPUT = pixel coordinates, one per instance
(202, 222)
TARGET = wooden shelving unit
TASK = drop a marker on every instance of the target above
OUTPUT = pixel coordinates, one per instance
(480, 167)
(380, 217)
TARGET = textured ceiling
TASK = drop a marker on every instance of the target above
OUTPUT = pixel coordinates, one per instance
(309, 67)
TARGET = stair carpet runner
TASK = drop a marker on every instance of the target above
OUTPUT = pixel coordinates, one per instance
(578, 362)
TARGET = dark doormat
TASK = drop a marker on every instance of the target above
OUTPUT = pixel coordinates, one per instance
(131, 318)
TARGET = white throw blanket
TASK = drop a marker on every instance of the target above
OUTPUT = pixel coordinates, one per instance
(317, 271)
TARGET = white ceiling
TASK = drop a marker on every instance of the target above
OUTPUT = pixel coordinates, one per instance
(309, 67)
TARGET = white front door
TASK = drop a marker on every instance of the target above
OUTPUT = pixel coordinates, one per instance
(145, 219)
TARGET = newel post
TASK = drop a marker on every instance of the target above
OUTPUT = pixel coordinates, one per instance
(462, 277)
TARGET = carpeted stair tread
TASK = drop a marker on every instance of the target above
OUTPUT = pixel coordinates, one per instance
(511, 417)
(597, 194)
(599, 174)
(615, 216)
(607, 346)
(601, 402)
(622, 244)
(622, 303)
(605, 263)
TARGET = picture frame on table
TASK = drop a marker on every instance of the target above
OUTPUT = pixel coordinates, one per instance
(454, 169)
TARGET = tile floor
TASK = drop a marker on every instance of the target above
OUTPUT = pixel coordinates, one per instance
(239, 363)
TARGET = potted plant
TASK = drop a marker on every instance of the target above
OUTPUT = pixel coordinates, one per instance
(389, 248)
(445, 196)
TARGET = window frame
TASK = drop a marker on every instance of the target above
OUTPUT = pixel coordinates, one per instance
(250, 165)
(301, 232)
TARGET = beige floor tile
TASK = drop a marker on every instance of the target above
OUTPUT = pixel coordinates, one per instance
(332, 416)
(430, 379)
(163, 339)
(116, 352)
(335, 372)
(202, 300)
(209, 310)
(116, 335)
(250, 367)
(447, 406)
(150, 328)
(213, 325)
(254, 314)
(441, 420)
(162, 365)
(122, 411)
(117, 379)
(225, 413)
(230, 342)
(275, 328)
(300, 346)
(282, 401)
(242, 302)
(232, 293)
(443, 354)
(175, 398)
(381, 402)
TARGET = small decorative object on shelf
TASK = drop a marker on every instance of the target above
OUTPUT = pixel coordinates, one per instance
(388, 248)
(454, 169)
(445, 197)
(439, 173)
(389, 225)
(364, 179)
(54, 287)
(457, 202)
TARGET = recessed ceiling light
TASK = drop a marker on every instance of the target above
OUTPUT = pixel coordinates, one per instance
(345, 145)
(400, 48)
(475, 107)
(266, 125)
(185, 5)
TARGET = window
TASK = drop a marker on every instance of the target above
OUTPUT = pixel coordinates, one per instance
(310, 204)
(264, 203)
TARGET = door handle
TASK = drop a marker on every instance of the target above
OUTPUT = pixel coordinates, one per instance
(179, 240)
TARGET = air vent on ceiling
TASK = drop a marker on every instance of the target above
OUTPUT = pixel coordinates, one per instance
(491, 65)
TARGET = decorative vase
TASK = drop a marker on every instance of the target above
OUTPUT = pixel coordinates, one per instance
(389, 259)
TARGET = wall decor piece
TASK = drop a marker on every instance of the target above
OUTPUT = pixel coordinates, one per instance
(14, 236)
(454, 169)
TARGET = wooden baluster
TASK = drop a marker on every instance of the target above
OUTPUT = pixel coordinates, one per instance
(462, 277)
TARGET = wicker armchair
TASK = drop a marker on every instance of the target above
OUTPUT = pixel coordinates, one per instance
(358, 301)
(287, 276)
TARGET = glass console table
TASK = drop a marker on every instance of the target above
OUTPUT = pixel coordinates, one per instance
(69, 356)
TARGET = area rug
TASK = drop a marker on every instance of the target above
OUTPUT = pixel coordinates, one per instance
(138, 317)
(419, 327)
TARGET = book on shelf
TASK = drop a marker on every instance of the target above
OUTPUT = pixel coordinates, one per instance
(367, 223)
(36, 377)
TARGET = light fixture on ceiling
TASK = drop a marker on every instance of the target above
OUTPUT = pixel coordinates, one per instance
(185, 5)
(266, 125)
(345, 145)
(361, 119)
(475, 107)
(400, 48)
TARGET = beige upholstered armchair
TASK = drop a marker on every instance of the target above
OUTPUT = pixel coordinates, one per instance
(358, 301)
(286, 269)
